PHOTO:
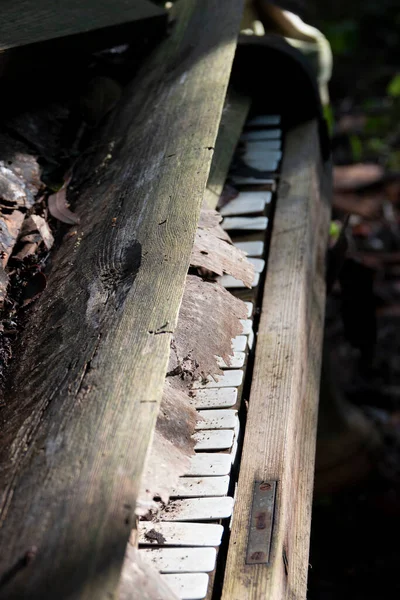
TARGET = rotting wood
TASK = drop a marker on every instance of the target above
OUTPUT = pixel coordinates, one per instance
(86, 390)
(234, 114)
(171, 449)
(280, 435)
(209, 318)
(214, 251)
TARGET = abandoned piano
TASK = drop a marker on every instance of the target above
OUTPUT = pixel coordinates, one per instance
(160, 443)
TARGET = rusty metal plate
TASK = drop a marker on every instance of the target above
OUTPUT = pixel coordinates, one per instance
(261, 523)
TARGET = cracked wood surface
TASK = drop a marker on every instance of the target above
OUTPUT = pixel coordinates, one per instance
(280, 433)
(87, 385)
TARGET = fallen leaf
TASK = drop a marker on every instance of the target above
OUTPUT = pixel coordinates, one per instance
(58, 207)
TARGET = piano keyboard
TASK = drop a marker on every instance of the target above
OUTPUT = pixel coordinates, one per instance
(183, 541)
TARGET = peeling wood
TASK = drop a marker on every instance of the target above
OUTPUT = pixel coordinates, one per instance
(209, 318)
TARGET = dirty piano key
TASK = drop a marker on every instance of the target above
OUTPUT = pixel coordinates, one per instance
(247, 203)
(231, 378)
(187, 586)
(251, 249)
(197, 487)
(217, 419)
(180, 534)
(219, 439)
(180, 560)
(229, 282)
(198, 509)
(209, 465)
(245, 223)
(239, 343)
(215, 398)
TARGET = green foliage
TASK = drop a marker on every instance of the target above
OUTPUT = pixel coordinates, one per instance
(356, 148)
(328, 114)
(393, 88)
(343, 36)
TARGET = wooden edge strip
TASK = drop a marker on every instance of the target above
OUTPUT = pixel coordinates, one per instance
(87, 385)
(280, 435)
(234, 115)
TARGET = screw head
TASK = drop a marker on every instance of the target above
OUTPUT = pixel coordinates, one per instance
(265, 486)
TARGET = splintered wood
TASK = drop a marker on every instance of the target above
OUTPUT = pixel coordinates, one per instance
(208, 320)
(171, 448)
(214, 251)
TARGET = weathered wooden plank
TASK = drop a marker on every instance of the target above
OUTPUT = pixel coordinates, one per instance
(233, 117)
(87, 385)
(279, 442)
(24, 22)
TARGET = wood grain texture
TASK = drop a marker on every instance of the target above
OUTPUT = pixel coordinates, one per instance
(280, 433)
(25, 22)
(235, 111)
(87, 386)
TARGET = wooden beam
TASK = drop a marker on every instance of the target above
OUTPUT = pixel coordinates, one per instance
(234, 115)
(279, 444)
(25, 22)
(87, 384)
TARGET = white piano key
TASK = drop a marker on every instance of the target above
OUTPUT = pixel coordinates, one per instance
(261, 134)
(213, 439)
(251, 248)
(195, 487)
(180, 560)
(187, 586)
(247, 325)
(215, 398)
(236, 361)
(264, 120)
(245, 223)
(268, 144)
(258, 264)
(217, 419)
(209, 465)
(264, 195)
(229, 282)
(231, 378)
(180, 534)
(239, 343)
(243, 206)
(199, 509)
(258, 152)
(262, 164)
(240, 180)
(249, 307)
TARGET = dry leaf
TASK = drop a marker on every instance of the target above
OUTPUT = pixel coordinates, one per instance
(58, 207)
